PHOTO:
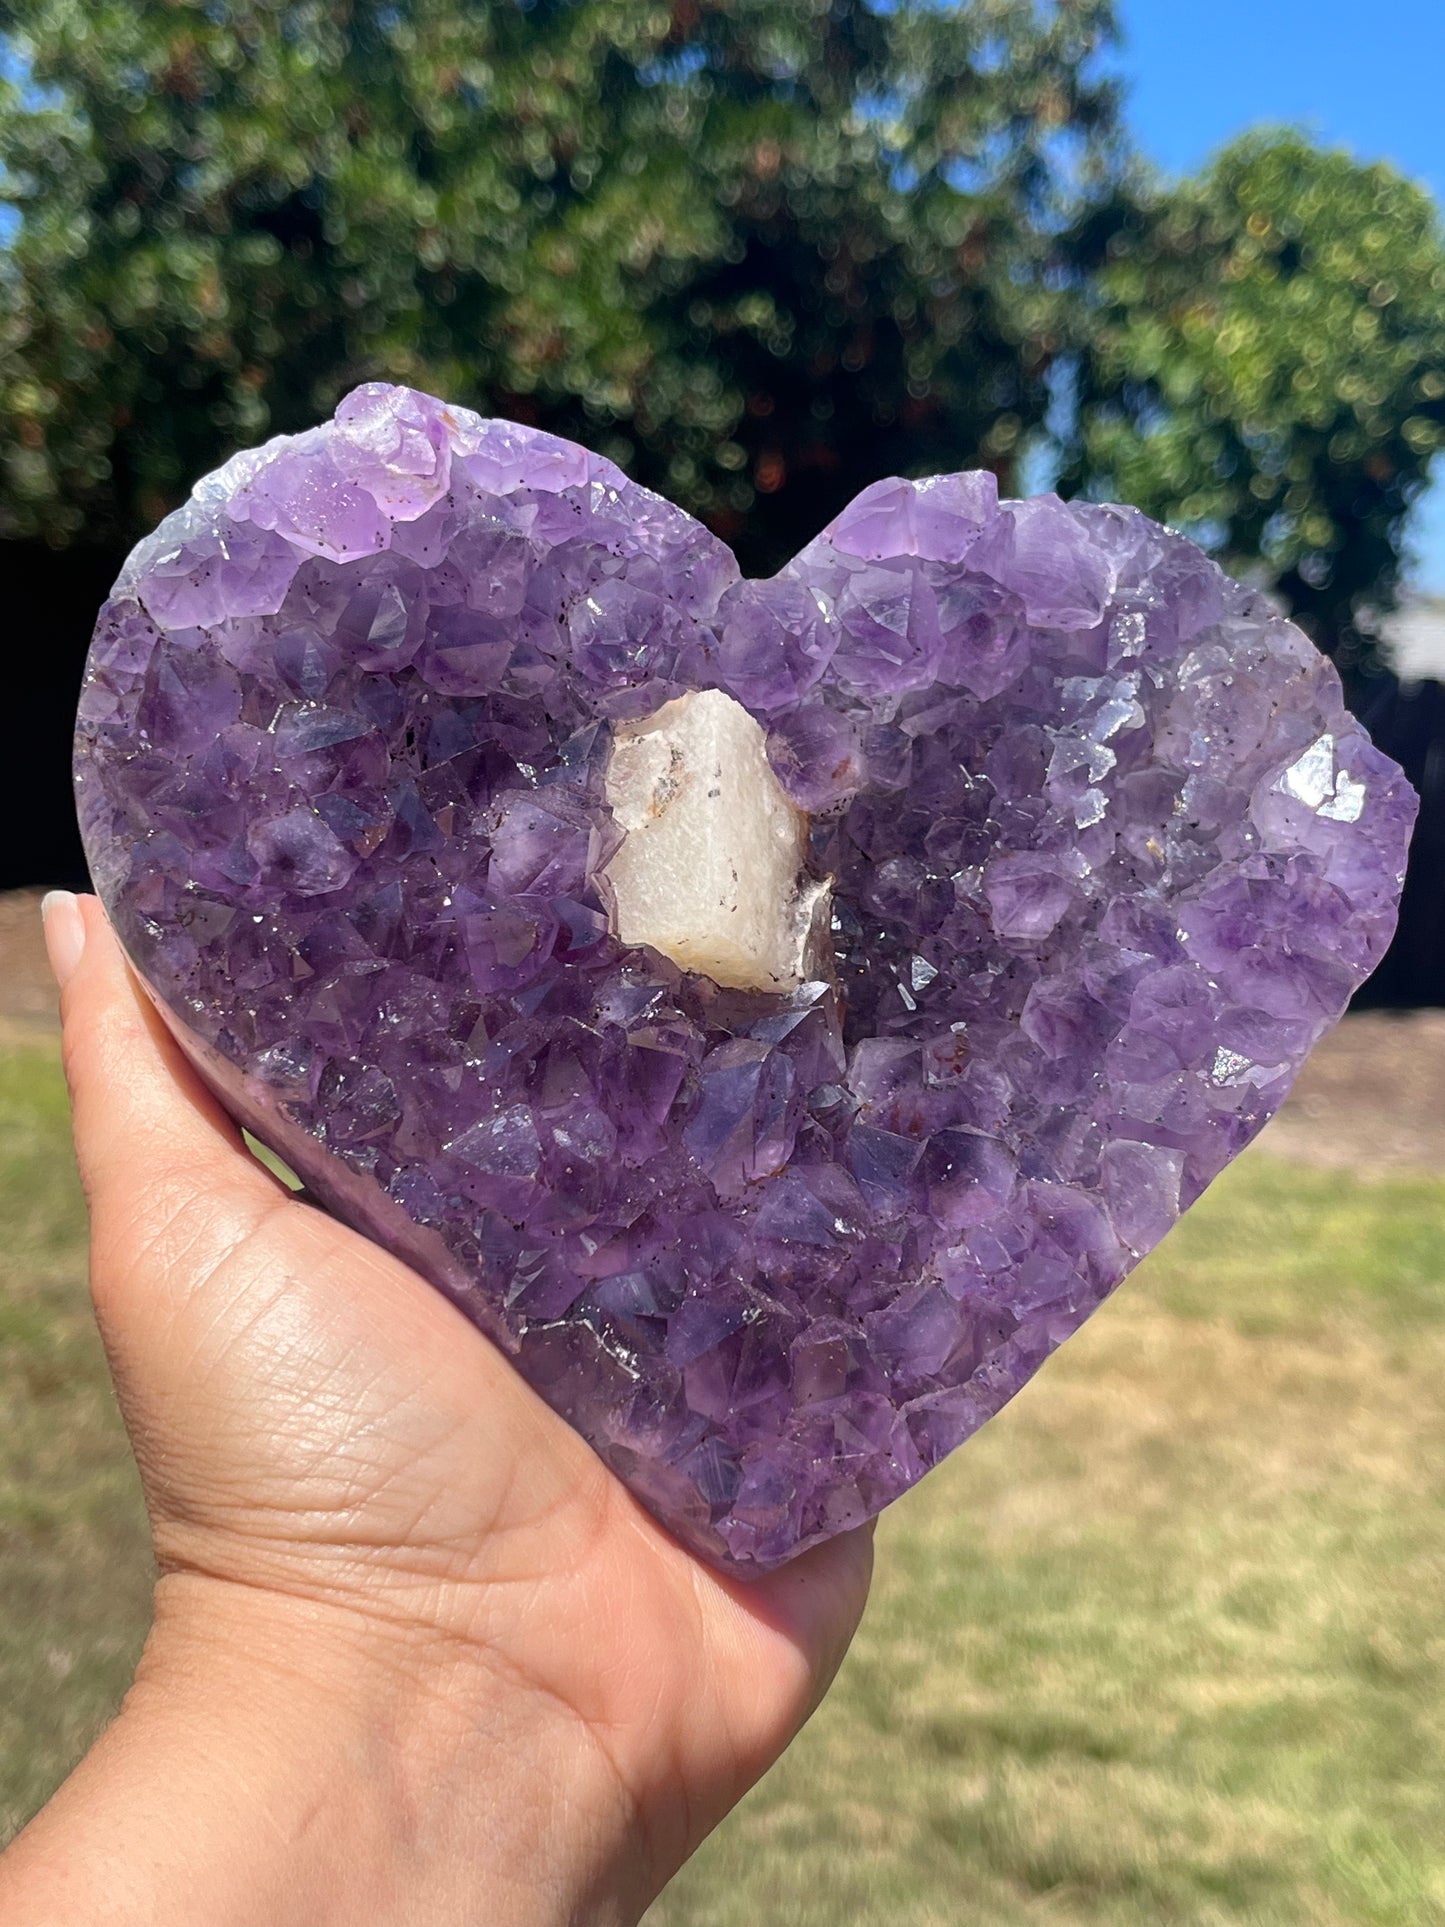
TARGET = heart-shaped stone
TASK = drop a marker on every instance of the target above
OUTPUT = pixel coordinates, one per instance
(1107, 856)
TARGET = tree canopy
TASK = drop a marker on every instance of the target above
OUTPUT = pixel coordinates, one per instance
(752, 248)
(1264, 364)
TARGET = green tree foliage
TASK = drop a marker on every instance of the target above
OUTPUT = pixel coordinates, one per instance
(1264, 365)
(752, 248)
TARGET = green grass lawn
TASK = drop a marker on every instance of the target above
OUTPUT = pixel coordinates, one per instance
(1164, 1644)
(74, 1557)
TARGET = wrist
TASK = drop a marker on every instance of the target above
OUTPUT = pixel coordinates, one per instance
(279, 1760)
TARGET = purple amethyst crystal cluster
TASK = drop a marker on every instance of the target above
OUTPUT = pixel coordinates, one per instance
(1108, 856)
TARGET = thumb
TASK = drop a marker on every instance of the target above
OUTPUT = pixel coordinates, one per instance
(158, 1157)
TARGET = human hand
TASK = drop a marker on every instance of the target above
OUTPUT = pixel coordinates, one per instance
(417, 1655)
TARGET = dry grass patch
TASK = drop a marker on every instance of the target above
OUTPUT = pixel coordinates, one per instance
(1162, 1644)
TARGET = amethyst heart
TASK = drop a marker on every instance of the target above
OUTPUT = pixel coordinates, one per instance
(1100, 852)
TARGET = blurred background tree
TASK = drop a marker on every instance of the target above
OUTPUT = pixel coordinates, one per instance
(751, 248)
(1263, 364)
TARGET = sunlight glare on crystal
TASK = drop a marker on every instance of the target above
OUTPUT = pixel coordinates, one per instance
(1311, 779)
(1347, 802)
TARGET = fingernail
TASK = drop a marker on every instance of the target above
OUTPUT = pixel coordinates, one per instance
(64, 933)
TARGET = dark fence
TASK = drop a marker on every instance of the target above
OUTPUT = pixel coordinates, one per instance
(1407, 721)
(54, 598)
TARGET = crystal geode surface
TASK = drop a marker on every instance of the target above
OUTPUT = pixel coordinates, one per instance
(1107, 857)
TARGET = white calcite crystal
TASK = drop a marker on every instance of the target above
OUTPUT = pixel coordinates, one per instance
(710, 871)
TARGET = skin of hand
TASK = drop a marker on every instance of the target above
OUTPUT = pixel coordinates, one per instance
(417, 1655)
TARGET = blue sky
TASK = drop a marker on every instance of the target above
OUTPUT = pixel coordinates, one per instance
(1370, 78)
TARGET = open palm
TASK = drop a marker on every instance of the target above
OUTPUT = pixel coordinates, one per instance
(321, 1433)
